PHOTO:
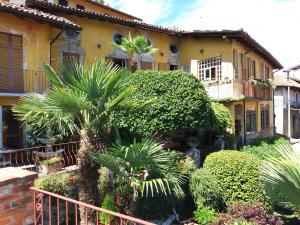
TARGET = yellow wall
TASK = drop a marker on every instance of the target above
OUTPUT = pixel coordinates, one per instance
(190, 49)
(97, 33)
(36, 45)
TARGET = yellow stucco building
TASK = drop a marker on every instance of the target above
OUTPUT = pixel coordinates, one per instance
(40, 32)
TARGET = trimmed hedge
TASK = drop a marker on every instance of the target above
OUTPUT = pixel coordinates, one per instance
(180, 102)
(238, 175)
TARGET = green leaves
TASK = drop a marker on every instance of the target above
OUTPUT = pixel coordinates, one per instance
(145, 166)
(80, 98)
(136, 46)
(238, 175)
(281, 176)
(180, 102)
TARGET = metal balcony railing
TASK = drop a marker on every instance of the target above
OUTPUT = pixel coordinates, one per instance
(251, 91)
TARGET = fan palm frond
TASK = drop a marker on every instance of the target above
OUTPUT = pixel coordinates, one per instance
(154, 170)
(281, 176)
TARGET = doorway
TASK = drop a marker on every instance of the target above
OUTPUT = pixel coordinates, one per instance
(12, 132)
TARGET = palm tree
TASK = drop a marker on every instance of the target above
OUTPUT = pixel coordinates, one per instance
(145, 168)
(136, 47)
(80, 103)
(281, 176)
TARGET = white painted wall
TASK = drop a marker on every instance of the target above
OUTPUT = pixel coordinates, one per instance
(194, 68)
(278, 108)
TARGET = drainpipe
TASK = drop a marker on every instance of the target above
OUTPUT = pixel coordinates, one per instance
(289, 105)
(274, 115)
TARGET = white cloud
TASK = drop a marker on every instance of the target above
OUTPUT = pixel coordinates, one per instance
(149, 11)
(273, 23)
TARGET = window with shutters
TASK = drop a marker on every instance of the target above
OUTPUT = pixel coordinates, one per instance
(264, 116)
(250, 68)
(244, 66)
(251, 120)
(11, 63)
(262, 71)
(210, 69)
(236, 65)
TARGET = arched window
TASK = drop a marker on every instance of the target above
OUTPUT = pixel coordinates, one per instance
(173, 49)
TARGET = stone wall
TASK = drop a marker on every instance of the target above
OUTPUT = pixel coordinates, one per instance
(16, 200)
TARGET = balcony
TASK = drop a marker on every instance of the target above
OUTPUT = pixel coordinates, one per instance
(251, 91)
(28, 81)
(220, 91)
(295, 105)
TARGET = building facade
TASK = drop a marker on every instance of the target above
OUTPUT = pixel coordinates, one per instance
(38, 32)
(287, 103)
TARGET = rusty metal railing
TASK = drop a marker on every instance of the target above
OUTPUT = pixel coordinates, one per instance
(31, 158)
(50, 208)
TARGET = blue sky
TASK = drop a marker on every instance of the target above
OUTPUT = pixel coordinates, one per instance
(273, 23)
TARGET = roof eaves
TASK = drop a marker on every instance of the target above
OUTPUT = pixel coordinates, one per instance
(99, 16)
(55, 21)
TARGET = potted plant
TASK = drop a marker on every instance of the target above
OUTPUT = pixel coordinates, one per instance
(51, 165)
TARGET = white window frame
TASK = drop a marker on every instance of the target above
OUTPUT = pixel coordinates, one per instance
(205, 68)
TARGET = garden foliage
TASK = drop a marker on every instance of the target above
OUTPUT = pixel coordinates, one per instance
(250, 212)
(180, 102)
(205, 190)
(238, 176)
(265, 147)
(58, 182)
(109, 204)
(204, 215)
(222, 117)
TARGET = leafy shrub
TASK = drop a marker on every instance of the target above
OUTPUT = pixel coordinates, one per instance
(240, 222)
(109, 204)
(250, 212)
(222, 116)
(51, 161)
(238, 176)
(206, 190)
(204, 215)
(57, 182)
(265, 147)
(181, 102)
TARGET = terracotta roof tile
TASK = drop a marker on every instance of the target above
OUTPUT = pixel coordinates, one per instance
(36, 14)
(47, 6)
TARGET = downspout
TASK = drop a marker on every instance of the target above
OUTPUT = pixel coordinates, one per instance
(289, 105)
(274, 115)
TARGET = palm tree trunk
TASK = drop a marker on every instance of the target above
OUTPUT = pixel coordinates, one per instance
(88, 177)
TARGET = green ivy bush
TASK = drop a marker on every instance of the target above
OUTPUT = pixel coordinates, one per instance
(206, 190)
(265, 147)
(58, 182)
(204, 215)
(238, 176)
(222, 116)
(180, 102)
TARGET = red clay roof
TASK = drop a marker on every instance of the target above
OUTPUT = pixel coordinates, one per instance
(50, 7)
(112, 9)
(24, 11)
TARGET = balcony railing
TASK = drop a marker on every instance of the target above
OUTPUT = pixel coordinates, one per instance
(295, 105)
(28, 81)
(251, 91)
(219, 91)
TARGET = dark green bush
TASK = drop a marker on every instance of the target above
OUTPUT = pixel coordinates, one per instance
(204, 215)
(57, 182)
(265, 147)
(238, 176)
(206, 190)
(181, 102)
